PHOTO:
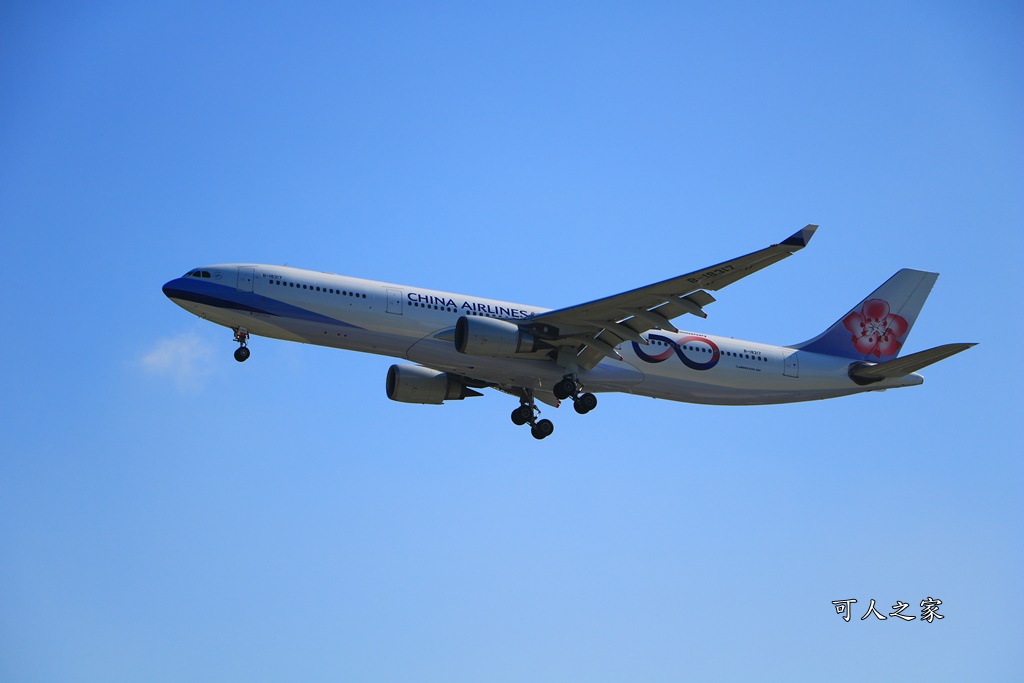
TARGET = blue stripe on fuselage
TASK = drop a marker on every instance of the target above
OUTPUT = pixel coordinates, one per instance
(221, 296)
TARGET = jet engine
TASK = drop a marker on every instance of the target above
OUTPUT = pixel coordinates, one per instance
(491, 338)
(417, 384)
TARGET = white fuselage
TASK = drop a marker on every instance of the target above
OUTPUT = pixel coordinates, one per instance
(417, 324)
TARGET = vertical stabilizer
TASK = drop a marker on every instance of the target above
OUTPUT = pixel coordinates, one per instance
(876, 328)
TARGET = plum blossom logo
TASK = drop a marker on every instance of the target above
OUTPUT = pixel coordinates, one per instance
(876, 331)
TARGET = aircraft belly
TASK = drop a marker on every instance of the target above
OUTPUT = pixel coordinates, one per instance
(258, 325)
(321, 333)
(341, 336)
(613, 376)
(720, 394)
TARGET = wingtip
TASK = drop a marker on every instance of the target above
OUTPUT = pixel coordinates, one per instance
(801, 237)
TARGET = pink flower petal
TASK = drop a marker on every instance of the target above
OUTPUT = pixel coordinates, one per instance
(865, 344)
(875, 309)
(897, 325)
(854, 323)
(889, 345)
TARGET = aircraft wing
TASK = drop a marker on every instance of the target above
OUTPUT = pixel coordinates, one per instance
(597, 327)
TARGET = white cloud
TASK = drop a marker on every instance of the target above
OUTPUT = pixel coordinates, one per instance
(185, 358)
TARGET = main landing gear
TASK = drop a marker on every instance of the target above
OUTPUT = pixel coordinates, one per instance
(242, 352)
(527, 413)
(568, 387)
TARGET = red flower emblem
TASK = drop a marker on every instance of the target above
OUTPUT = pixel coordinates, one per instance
(875, 330)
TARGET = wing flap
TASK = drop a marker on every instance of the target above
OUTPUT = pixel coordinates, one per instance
(598, 345)
(523, 394)
(625, 332)
(652, 318)
(589, 357)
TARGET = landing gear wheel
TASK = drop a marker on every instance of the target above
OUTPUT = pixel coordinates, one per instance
(564, 389)
(542, 429)
(522, 415)
(588, 401)
(242, 354)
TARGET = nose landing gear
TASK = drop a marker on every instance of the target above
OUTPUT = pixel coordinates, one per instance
(242, 352)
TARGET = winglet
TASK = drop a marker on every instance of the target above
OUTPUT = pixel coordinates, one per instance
(800, 238)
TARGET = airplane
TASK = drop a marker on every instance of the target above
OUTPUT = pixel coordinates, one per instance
(626, 342)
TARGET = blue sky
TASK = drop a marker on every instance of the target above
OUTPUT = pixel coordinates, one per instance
(168, 514)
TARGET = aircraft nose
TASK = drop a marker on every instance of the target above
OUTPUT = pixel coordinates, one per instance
(171, 287)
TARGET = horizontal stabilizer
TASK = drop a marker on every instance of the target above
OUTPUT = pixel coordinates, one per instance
(901, 367)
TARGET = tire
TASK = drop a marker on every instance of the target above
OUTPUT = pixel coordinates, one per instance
(589, 402)
(564, 389)
(542, 429)
(242, 354)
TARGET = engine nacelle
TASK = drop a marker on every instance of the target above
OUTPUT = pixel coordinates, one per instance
(417, 384)
(491, 338)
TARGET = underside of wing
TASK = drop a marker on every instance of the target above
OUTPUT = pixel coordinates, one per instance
(591, 331)
(526, 395)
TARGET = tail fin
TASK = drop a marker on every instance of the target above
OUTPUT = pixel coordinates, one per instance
(877, 326)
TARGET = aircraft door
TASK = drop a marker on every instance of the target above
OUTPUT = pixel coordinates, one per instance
(395, 301)
(245, 279)
(792, 367)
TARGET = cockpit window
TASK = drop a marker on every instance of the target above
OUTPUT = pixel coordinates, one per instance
(206, 273)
